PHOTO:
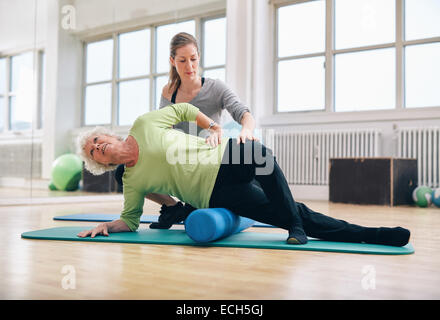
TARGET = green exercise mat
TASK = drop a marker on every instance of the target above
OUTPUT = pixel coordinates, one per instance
(242, 240)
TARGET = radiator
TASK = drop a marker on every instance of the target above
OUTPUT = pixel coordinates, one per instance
(21, 160)
(304, 156)
(422, 144)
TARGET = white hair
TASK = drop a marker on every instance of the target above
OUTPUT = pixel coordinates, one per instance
(91, 165)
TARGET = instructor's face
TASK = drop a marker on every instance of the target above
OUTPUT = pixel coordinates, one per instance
(186, 62)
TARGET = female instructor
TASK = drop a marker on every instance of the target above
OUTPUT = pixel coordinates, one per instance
(211, 96)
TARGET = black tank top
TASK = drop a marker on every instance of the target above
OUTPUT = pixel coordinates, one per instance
(173, 97)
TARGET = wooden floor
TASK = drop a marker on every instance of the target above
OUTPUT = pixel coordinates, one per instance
(33, 269)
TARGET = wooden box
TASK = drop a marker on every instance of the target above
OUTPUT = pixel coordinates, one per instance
(380, 181)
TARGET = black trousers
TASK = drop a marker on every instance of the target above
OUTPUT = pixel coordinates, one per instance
(251, 184)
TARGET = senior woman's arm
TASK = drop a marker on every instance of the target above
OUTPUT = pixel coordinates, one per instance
(179, 112)
(105, 228)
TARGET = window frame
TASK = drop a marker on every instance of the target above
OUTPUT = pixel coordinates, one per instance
(153, 74)
(330, 53)
(37, 109)
(202, 44)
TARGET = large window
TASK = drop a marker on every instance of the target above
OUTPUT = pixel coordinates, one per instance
(301, 53)
(125, 74)
(99, 74)
(133, 71)
(21, 91)
(357, 55)
(214, 48)
(422, 52)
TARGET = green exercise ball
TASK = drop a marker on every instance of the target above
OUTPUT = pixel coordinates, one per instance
(52, 186)
(66, 172)
(422, 196)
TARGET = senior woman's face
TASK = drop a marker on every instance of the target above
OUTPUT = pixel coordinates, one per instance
(102, 148)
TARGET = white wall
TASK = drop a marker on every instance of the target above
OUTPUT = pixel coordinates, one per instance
(101, 17)
(23, 23)
(63, 88)
(99, 13)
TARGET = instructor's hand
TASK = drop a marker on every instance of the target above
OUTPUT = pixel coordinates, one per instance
(100, 229)
(245, 134)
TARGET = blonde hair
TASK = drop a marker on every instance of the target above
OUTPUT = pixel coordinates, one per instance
(178, 41)
(91, 165)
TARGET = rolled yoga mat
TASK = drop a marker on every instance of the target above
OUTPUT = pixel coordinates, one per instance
(206, 225)
(104, 217)
(245, 239)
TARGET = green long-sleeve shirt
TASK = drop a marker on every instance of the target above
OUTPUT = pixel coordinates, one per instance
(170, 162)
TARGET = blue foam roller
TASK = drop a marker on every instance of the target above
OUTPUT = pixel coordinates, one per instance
(206, 225)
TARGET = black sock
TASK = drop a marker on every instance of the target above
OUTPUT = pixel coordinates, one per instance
(297, 236)
(393, 236)
(397, 236)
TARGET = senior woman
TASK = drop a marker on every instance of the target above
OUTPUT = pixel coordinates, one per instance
(220, 173)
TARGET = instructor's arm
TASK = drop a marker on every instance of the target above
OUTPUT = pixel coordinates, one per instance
(105, 228)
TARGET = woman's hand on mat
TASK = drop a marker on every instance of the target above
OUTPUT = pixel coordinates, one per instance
(100, 229)
(216, 136)
(245, 134)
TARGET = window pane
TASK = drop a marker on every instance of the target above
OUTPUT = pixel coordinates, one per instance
(422, 19)
(98, 104)
(214, 44)
(364, 22)
(22, 84)
(301, 28)
(2, 76)
(164, 35)
(160, 83)
(134, 99)
(365, 80)
(22, 72)
(218, 73)
(422, 75)
(2, 114)
(21, 113)
(134, 53)
(99, 61)
(301, 84)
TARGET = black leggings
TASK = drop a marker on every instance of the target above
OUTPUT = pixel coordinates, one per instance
(251, 184)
